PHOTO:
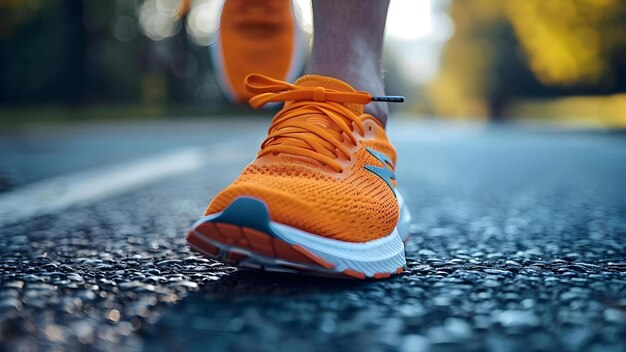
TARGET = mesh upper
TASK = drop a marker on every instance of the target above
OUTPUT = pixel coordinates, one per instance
(355, 206)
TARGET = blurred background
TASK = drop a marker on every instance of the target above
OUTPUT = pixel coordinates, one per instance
(114, 136)
(472, 59)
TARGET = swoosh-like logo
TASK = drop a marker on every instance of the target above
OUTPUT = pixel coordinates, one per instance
(385, 172)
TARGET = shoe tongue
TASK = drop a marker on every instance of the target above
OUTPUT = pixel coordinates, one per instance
(321, 120)
(330, 83)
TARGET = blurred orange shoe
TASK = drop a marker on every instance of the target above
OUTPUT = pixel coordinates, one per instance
(321, 196)
(259, 36)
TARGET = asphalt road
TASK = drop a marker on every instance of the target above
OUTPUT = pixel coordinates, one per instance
(518, 245)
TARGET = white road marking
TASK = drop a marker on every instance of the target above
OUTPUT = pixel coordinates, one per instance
(59, 193)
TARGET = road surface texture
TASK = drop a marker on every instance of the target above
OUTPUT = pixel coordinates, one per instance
(519, 244)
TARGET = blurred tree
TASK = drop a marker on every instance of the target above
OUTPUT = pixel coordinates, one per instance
(79, 52)
(571, 42)
(506, 50)
(13, 13)
(37, 51)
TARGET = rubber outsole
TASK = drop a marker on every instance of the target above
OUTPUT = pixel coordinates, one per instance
(243, 235)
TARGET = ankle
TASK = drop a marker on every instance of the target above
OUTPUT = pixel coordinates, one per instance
(361, 70)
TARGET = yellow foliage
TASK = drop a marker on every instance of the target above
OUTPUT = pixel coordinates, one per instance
(561, 39)
(563, 42)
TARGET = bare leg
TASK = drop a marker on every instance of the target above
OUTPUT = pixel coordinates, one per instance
(348, 44)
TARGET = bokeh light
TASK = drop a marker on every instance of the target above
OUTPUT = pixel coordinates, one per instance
(159, 18)
(416, 32)
(203, 21)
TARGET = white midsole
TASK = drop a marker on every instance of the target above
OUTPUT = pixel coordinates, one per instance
(373, 250)
(218, 68)
(295, 68)
(382, 255)
(370, 250)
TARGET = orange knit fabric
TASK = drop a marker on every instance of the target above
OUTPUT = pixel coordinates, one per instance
(310, 170)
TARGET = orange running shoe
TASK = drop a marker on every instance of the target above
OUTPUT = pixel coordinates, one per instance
(257, 36)
(321, 196)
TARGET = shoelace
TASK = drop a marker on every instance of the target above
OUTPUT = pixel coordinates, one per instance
(324, 145)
